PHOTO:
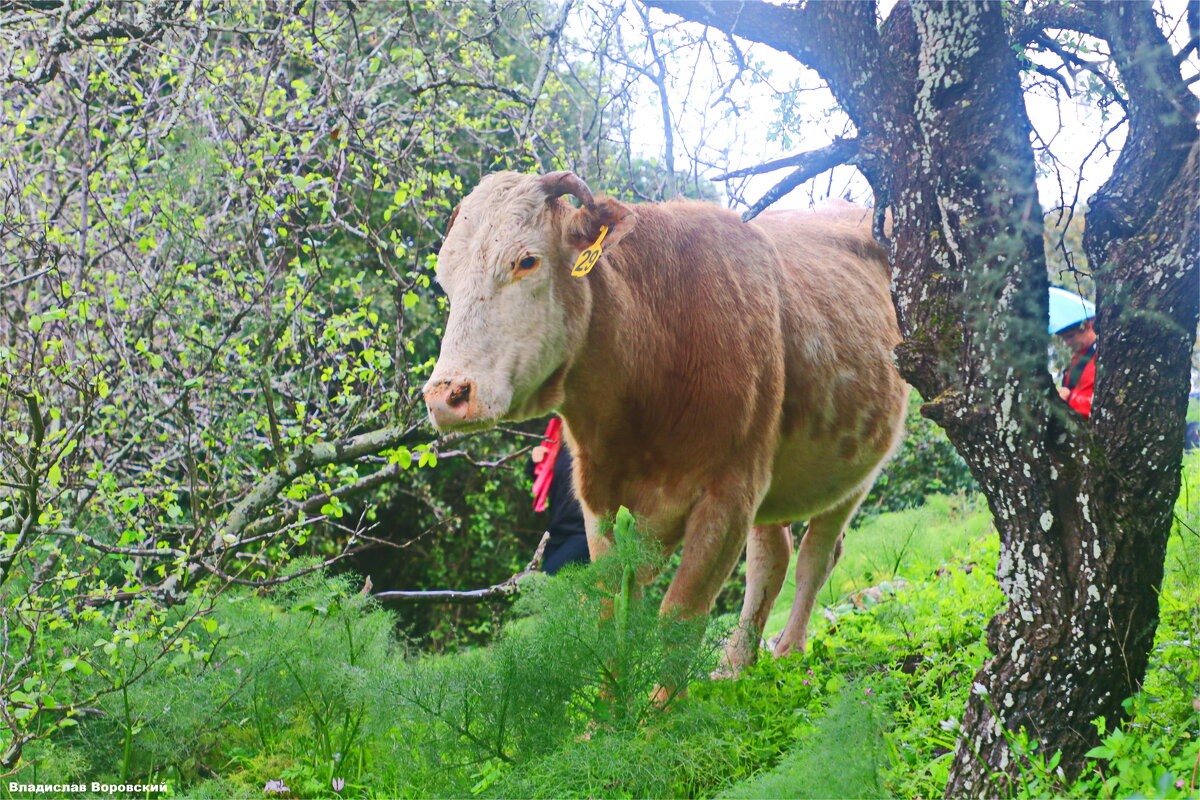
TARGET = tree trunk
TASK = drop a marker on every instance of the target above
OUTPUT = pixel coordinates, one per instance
(1083, 508)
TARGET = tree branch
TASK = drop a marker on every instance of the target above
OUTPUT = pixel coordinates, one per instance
(501, 591)
(487, 87)
(658, 76)
(797, 160)
(1162, 115)
(838, 38)
(302, 460)
(70, 34)
(810, 165)
(1070, 58)
(553, 36)
(1078, 17)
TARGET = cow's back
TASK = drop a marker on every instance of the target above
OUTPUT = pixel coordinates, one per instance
(844, 400)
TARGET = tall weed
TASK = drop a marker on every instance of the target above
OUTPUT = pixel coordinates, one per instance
(582, 659)
(824, 765)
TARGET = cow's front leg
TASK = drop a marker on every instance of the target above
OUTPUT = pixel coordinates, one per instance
(598, 543)
(768, 551)
(713, 538)
(713, 534)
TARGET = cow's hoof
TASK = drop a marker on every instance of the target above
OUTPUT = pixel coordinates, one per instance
(787, 647)
(664, 696)
(724, 672)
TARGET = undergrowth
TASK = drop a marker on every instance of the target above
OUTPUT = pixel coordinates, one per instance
(308, 688)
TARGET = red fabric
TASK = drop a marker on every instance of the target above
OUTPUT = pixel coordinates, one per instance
(1080, 398)
(543, 473)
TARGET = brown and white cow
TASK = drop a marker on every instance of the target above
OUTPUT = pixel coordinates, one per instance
(719, 378)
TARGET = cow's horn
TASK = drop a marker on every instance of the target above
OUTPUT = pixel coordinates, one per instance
(557, 184)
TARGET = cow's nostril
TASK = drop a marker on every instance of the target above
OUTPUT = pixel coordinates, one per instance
(460, 395)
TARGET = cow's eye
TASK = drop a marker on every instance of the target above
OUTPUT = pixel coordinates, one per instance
(527, 264)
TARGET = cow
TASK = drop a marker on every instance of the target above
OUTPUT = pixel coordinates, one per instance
(719, 378)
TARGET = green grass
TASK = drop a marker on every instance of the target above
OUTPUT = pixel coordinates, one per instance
(309, 684)
(909, 545)
(824, 766)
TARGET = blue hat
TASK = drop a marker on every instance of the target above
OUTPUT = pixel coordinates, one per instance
(1068, 309)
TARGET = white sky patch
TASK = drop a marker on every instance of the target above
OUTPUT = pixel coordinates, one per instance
(780, 108)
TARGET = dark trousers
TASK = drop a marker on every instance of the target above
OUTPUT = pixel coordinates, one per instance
(568, 550)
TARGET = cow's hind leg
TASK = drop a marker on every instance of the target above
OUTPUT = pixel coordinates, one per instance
(818, 553)
(768, 551)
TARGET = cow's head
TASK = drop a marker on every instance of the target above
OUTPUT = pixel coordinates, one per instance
(516, 313)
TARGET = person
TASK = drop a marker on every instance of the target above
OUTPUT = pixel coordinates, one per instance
(1072, 321)
(1079, 379)
(553, 492)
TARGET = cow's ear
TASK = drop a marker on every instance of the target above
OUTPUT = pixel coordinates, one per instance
(604, 213)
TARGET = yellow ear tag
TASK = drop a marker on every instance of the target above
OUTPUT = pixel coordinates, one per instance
(588, 258)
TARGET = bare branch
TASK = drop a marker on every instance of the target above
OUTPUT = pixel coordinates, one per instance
(24, 278)
(552, 37)
(1162, 129)
(839, 38)
(810, 164)
(461, 84)
(1054, 75)
(505, 590)
(1071, 59)
(798, 160)
(658, 76)
(499, 462)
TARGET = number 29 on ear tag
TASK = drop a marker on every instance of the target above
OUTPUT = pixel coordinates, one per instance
(588, 258)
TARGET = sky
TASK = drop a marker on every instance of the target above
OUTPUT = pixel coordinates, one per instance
(786, 111)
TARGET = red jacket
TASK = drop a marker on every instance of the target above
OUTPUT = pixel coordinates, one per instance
(1080, 398)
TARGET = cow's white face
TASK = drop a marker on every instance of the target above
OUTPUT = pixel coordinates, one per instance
(514, 317)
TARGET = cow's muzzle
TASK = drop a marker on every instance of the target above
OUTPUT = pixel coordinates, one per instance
(452, 403)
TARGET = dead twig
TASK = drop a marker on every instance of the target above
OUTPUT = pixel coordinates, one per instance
(505, 590)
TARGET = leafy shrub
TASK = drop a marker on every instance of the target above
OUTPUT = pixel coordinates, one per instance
(272, 686)
(925, 464)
